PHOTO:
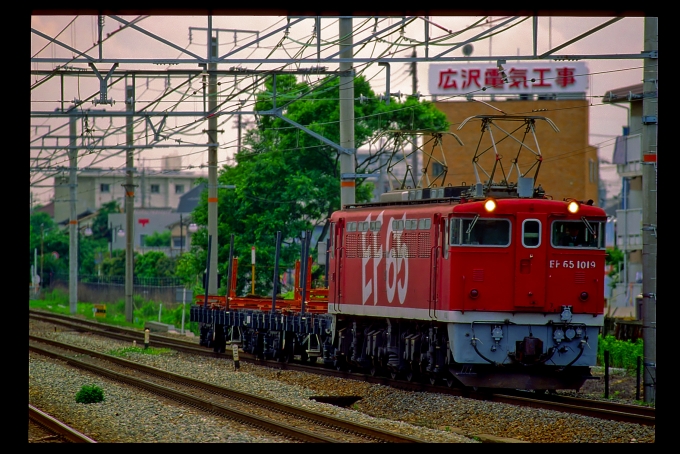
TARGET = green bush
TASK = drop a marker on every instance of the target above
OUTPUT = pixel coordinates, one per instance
(90, 394)
(622, 354)
(56, 296)
(149, 310)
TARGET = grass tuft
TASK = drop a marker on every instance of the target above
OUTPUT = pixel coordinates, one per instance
(125, 351)
(90, 394)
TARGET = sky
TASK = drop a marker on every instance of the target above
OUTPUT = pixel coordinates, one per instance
(174, 34)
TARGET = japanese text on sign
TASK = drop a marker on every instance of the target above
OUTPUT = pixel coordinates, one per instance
(515, 78)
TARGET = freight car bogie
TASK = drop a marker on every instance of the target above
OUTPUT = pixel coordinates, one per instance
(391, 347)
(283, 346)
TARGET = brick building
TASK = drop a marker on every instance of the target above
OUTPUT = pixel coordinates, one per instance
(570, 166)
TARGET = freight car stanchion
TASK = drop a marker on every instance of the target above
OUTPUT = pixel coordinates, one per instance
(306, 237)
(276, 270)
(230, 271)
(207, 272)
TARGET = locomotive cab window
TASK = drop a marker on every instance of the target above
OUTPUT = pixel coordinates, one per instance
(531, 233)
(480, 232)
(569, 234)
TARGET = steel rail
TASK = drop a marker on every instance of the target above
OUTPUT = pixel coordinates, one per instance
(312, 416)
(58, 427)
(635, 414)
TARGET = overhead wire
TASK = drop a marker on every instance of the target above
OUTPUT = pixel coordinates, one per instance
(299, 50)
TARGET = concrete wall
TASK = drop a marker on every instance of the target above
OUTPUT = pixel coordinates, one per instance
(112, 293)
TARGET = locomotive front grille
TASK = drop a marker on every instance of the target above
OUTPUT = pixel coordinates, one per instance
(478, 275)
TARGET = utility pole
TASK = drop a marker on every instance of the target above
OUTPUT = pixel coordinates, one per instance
(73, 218)
(42, 250)
(212, 168)
(649, 138)
(347, 165)
(414, 138)
(238, 126)
(142, 189)
(129, 203)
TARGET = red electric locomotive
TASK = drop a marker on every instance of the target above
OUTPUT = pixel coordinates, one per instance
(491, 285)
(484, 289)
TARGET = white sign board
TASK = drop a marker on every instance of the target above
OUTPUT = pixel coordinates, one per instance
(321, 249)
(475, 78)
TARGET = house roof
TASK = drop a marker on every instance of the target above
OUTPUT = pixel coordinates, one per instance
(189, 201)
(81, 216)
(49, 209)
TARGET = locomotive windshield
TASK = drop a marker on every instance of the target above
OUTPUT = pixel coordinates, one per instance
(584, 233)
(480, 232)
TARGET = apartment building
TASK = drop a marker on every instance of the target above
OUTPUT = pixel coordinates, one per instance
(155, 189)
(628, 223)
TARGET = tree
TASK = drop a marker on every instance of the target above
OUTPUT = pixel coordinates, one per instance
(188, 270)
(158, 239)
(614, 259)
(154, 264)
(51, 243)
(100, 226)
(115, 264)
(287, 180)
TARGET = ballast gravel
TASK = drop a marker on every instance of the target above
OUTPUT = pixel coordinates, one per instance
(131, 415)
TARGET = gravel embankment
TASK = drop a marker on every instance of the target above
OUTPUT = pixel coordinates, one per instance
(131, 415)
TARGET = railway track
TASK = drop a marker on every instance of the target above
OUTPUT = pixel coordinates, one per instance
(45, 428)
(276, 417)
(588, 407)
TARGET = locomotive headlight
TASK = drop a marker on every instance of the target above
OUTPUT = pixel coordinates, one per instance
(490, 205)
(474, 293)
(583, 296)
(573, 206)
